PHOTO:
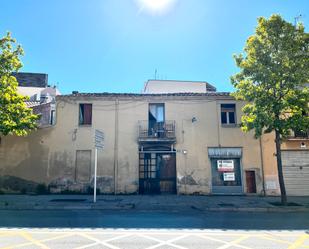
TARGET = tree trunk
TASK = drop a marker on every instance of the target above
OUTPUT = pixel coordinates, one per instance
(280, 171)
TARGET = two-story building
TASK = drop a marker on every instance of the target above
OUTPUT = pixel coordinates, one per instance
(174, 142)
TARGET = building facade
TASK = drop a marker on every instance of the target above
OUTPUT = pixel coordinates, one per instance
(295, 164)
(41, 96)
(175, 143)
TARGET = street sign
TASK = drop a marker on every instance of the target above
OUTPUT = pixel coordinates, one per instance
(99, 139)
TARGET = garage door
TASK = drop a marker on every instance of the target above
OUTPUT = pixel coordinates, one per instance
(296, 172)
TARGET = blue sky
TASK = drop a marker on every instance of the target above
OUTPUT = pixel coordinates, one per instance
(115, 45)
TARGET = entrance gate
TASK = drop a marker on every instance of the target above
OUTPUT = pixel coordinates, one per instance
(157, 172)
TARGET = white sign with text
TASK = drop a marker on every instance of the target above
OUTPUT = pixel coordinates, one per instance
(225, 165)
(99, 139)
(228, 176)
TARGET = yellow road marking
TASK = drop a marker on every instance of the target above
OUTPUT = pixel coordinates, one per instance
(28, 236)
(269, 237)
(44, 240)
(299, 242)
(8, 234)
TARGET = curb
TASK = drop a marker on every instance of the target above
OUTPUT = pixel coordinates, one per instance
(162, 208)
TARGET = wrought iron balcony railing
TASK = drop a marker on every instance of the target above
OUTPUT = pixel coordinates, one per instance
(301, 134)
(148, 130)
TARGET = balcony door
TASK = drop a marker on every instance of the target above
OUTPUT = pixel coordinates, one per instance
(156, 118)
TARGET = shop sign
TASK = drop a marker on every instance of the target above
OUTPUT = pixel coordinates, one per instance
(225, 165)
(229, 176)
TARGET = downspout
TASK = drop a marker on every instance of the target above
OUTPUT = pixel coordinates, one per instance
(185, 174)
(218, 126)
(262, 165)
(116, 146)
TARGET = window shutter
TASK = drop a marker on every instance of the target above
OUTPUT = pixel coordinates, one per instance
(87, 114)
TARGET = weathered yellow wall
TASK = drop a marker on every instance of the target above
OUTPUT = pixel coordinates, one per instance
(48, 155)
(270, 164)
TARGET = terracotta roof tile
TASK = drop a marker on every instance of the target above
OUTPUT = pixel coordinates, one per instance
(105, 94)
(32, 103)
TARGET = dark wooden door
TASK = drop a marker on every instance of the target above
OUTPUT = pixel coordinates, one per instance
(250, 180)
(148, 174)
(167, 167)
(157, 173)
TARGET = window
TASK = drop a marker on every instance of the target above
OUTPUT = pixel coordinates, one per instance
(228, 114)
(156, 113)
(85, 114)
(156, 119)
(52, 117)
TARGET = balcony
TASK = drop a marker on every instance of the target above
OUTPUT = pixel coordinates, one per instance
(299, 135)
(156, 131)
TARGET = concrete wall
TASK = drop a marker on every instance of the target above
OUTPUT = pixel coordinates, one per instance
(49, 155)
(169, 86)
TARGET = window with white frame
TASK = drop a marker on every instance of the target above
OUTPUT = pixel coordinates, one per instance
(228, 114)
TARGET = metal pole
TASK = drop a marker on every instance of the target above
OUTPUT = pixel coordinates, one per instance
(95, 175)
(116, 145)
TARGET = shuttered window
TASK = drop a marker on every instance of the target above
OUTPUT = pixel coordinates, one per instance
(85, 114)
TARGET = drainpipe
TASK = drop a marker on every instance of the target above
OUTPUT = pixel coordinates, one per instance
(218, 124)
(116, 146)
(262, 165)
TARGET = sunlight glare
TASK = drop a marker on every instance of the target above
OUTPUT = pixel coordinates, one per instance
(156, 6)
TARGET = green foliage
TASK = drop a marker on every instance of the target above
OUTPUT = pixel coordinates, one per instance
(15, 117)
(273, 76)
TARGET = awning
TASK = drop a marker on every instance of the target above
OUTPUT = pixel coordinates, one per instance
(217, 152)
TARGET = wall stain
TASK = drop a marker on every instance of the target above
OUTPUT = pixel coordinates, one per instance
(187, 180)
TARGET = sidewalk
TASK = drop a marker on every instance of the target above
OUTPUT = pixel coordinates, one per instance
(149, 203)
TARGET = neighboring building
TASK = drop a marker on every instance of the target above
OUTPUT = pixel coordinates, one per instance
(42, 97)
(295, 163)
(176, 86)
(184, 143)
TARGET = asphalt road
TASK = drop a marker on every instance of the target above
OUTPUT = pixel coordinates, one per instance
(151, 239)
(157, 220)
(98, 229)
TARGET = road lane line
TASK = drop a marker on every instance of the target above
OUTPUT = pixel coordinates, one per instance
(269, 237)
(222, 241)
(86, 246)
(235, 243)
(28, 237)
(299, 242)
(97, 241)
(44, 240)
(167, 242)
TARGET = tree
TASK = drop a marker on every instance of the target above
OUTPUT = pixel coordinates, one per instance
(15, 117)
(274, 70)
